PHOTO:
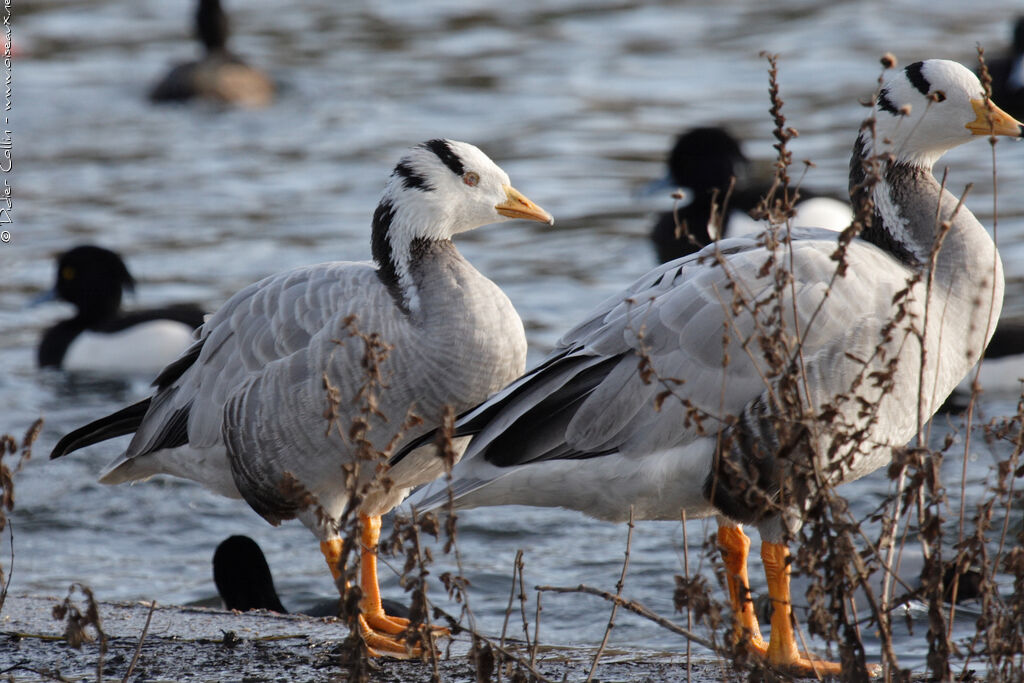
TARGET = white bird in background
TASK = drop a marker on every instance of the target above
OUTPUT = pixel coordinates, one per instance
(707, 388)
(243, 410)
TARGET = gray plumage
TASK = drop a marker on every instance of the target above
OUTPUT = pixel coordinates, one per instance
(635, 402)
(247, 410)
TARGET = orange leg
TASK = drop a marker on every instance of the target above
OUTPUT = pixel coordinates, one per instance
(332, 553)
(782, 650)
(377, 643)
(370, 604)
(735, 547)
(381, 632)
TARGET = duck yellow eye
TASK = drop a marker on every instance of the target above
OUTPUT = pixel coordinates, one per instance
(471, 178)
(67, 273)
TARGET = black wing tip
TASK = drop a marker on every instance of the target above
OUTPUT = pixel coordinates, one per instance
(64, 446)
(463, 427)
(124, 421)
(73, 441)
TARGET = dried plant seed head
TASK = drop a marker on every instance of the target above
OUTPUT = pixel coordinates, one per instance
(888, 61)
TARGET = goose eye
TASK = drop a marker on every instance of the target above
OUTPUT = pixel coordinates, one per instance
(471, 178)
(67, 273)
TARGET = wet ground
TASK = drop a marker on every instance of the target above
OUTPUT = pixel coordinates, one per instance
(577, 99)
(200, 644)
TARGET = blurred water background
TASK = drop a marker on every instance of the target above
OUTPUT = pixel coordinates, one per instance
(577, 99)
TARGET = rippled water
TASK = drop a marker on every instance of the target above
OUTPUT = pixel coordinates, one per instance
(577, 100)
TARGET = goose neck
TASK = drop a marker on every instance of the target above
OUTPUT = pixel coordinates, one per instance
(401, 255)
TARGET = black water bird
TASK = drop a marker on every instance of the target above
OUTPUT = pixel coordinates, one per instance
(1007, 74)
(242, 576)
(244, 582)
(102, 338)
(219, 75)
(708, 164)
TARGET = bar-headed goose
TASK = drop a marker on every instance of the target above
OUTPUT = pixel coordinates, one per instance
(279, 401)
(757, 365)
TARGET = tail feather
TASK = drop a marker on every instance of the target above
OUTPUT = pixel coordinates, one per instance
(124, 421)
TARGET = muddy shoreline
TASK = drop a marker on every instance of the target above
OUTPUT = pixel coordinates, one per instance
(201, 644)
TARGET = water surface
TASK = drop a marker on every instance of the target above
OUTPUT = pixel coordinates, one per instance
(577, 100)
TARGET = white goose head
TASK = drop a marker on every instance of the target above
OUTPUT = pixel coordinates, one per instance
(931, 107)
(437, 190)
(923, 111)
